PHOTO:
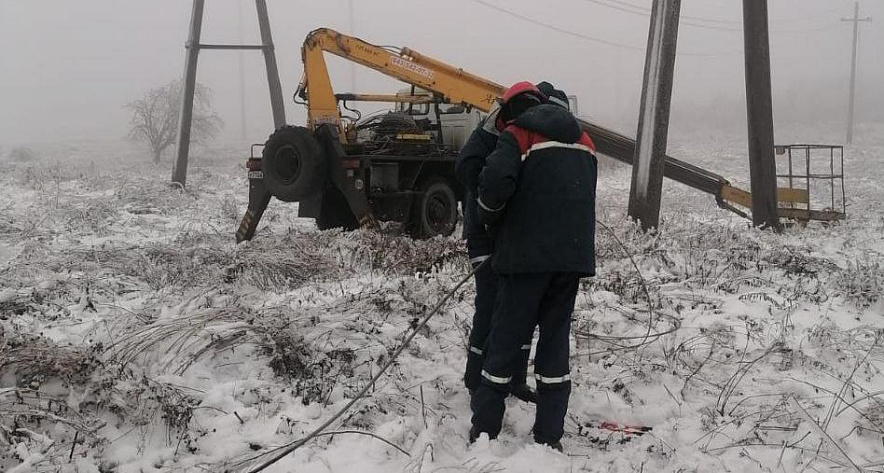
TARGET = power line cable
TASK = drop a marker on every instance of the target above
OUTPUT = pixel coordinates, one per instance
(647, 13)
(560, 30)
(822, 14)
(685, 20)
(590, 38)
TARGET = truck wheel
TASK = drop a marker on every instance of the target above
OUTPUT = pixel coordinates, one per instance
(293, 163)
(434, 211)
(335, 212)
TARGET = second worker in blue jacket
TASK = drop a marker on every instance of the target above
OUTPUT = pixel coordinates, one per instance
(470, 162)
(537, 193)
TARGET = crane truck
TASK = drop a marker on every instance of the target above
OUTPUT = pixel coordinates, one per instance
(349, 171)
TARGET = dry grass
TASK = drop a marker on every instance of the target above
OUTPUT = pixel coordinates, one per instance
(285, 265)
(401, 255)
(32, 360)
(862, 282)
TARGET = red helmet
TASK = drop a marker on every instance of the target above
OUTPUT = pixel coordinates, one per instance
(520, 88)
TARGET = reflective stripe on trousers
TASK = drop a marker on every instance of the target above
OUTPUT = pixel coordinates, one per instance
(552, 379)
(496, 379)
(478, 259)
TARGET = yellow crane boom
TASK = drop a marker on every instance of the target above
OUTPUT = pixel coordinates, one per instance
(451, 84)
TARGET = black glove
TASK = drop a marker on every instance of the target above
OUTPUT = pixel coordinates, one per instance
(488, 216)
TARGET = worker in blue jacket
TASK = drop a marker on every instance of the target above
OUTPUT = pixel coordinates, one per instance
(537, 194)
(469, 164)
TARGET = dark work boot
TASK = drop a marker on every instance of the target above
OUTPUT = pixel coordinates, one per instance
(557, 445)
(525, 393)
(474, 434)
(553, 444)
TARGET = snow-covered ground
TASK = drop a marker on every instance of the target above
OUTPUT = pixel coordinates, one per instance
(135, 336)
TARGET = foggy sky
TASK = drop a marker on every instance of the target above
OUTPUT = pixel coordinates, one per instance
(67, 67)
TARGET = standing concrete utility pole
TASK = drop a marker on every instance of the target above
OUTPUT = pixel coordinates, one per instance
(243, 125)
(653, 123)
(850, 107)
(179, 173)
(276, 102)
(185, 119)
(759, 106)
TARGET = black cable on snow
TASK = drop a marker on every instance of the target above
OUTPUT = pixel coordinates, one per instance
(291, 447)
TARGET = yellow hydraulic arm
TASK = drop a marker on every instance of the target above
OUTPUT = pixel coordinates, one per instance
(454, 85)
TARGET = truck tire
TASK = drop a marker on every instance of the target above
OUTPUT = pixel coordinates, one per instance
(293, 163)
(434, 210)
(335, 212)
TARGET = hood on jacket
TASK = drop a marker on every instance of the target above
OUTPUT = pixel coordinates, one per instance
(554, 95)
(551, 121)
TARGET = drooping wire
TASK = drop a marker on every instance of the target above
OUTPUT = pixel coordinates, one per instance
(560, 30)
(693, 21)
(591, 38)
(646, 12)
(623, 4)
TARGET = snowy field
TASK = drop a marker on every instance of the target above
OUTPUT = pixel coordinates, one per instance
(135, 336)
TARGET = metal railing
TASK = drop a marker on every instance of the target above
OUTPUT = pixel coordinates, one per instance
(803, 166)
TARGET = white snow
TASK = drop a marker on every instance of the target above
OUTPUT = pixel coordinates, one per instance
(130, 318)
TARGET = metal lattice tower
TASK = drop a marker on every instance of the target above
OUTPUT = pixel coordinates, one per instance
(193, 47)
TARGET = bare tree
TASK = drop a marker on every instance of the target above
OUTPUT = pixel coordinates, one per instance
(155, 117)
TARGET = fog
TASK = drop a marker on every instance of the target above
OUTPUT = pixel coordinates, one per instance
(69, 67)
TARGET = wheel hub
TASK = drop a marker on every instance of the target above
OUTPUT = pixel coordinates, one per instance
(437, 213)
(288, 163)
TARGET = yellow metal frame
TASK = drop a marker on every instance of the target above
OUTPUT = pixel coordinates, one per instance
(805, 215)
(784, 194)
